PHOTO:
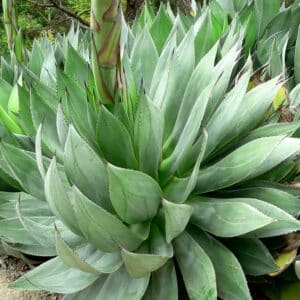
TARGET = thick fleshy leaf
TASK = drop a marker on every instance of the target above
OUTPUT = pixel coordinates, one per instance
(139, 264)
(76, 108)
(148, 135)
(282, 222)
(31, 206)
(277, 197)
(9, 123)
(101, 228)
(161, 73)
(24, 168)
(142, 230)
(206, 36)
(87, 258)
(5, 90)
(183, 60)
(59, 199)
(35, 228)
(91, 292)
(253, 255)
(43, 113)
(43, 229)
(271, 130)
(56, 277)
(177, 217)
(265, 11)
(144, 68)
(36, 58)
(163, 284)
(200, 77)
(248, 161)
(231, 281)
(86, 170)
(223, 70)
(38, 152)
(188, 135)
(226, 219)
(120, 285)
(76, 67)
(70, 258)
(131, 91)
(45, 92)
(134, 195)
(12, 230)
(161, 28)
(226, 114)
(25, 116)
(110, 130)
(61, 125)
(239, 113)
(196, 268)
(179, 189)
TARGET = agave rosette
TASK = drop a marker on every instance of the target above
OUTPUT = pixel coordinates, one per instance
(165, 194)
(21, 87)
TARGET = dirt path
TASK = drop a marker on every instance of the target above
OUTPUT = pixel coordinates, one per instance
(10, 270)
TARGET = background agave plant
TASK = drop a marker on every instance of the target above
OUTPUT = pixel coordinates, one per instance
(22, 87)
(171, 192)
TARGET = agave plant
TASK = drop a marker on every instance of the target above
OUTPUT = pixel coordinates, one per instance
(170, 190)
(19, 121)
(271, 32)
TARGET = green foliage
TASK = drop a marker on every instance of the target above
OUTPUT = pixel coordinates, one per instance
(37, 20)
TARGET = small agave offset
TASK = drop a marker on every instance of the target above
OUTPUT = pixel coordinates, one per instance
(163, 185)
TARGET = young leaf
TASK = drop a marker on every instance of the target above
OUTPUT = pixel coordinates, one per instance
(144, 68)
(148, 136)
(114, 140)
(134, 195)
(161, 28)
(86, 170)
(183, 60)
(177, 217)
(139, 264)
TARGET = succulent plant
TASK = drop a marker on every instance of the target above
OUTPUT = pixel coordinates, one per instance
(21, 88)
(172, 190)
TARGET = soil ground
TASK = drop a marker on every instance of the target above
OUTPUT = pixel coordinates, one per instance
(10, 270)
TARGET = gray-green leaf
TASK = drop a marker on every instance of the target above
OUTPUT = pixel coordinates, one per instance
(134, 195)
